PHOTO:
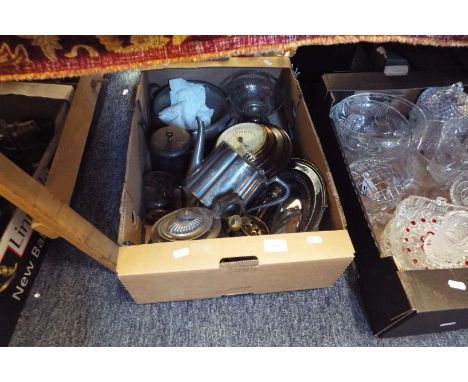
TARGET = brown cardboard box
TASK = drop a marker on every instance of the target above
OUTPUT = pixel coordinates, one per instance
(22, 248)
(48, 204)
(225, 266)
(398, 302)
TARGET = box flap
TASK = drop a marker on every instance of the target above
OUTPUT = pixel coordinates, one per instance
(232, 62)
(376, 80)
(437, 289)
(207, 254)
(216, 267)
(29, 89)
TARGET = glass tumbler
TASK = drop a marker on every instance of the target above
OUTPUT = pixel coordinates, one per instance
(450, 159)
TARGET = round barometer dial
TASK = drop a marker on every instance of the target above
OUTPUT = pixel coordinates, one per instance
(245, 138)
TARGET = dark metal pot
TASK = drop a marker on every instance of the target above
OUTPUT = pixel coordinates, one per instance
(216, 99)
(170, 149)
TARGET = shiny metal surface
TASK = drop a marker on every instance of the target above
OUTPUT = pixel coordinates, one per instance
(224, 172)
(269, 146)
(197, 156)
(188, 223)
(253, 226)
(303, 209)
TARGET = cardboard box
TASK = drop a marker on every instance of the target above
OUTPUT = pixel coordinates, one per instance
(22, 248)
(225, 266)
(398, 302)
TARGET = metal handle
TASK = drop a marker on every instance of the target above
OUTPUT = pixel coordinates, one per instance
(181, 201)
(153, 89)
(276, 201)
(228, 204)
(197, 156)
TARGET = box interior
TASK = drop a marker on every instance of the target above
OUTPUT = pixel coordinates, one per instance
(19, 101)
(306, 142)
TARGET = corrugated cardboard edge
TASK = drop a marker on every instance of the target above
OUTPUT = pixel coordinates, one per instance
(239, 62)
(60, 92)
(135, 234)
(331, 189)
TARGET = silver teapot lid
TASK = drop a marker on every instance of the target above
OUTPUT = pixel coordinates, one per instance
(170, 141)
(183, 224)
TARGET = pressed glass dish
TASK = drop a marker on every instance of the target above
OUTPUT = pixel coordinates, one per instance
(416, 221)
(378, 125)
(380, 184)
(444, 103)
(254, 94)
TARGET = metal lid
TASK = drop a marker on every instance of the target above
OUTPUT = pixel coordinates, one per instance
(170, 142)
(184, 224)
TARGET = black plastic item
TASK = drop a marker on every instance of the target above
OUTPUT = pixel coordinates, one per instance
(170, 149)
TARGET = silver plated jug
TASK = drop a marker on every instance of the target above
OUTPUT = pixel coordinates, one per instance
(225, 175)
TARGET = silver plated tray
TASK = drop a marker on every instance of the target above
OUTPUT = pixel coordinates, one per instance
(303, 210)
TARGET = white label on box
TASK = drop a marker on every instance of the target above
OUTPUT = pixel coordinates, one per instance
(457, 284)
(448, 323)
(275, 245)
(181, 252)
(314, 239)
(268, 62)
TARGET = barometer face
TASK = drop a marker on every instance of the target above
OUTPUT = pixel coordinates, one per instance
(244, 137)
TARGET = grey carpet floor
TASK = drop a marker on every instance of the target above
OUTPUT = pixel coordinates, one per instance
(76, 302)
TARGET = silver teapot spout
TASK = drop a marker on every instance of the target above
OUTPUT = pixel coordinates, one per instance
(197, 157)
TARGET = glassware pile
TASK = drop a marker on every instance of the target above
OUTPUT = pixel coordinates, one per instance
(409, 163)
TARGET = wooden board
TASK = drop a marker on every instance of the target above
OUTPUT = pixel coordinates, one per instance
(37, 201)
(67, 160)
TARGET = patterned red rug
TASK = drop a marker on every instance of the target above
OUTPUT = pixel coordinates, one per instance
(41, 57)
